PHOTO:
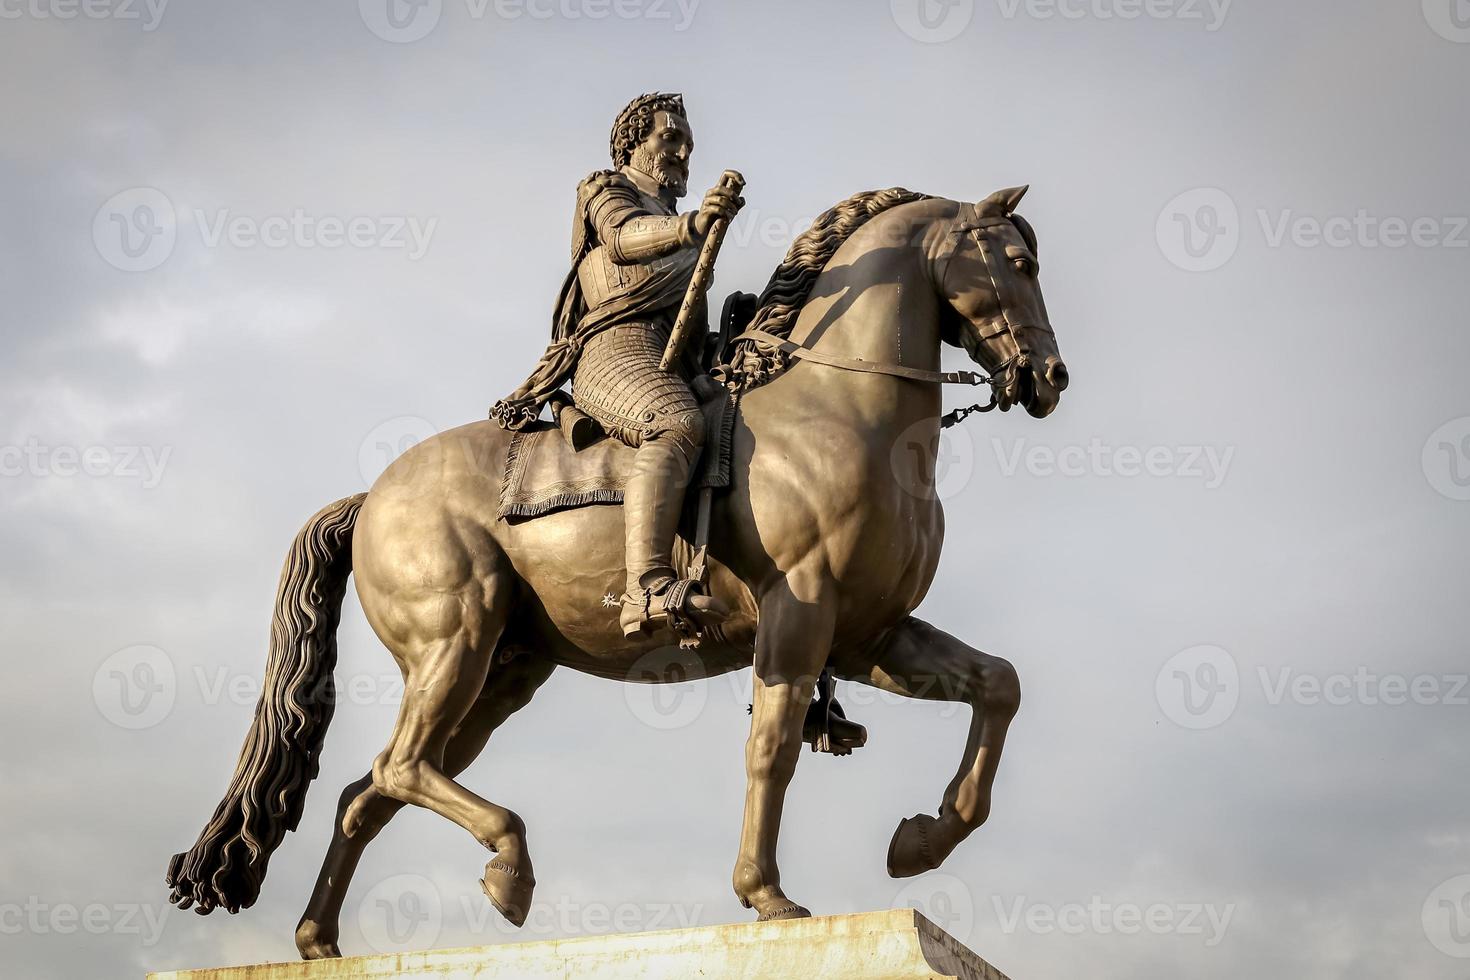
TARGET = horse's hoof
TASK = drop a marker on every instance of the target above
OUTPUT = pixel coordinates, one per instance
(508, 891)
(319, 951)
(909, 852)
(786, 910)
(312, 946)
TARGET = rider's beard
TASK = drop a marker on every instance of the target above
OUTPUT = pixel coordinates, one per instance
(671, 173)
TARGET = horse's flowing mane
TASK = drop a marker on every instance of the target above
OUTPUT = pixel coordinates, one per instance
(792, 282)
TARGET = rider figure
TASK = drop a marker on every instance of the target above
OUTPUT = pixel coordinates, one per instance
(633, 255)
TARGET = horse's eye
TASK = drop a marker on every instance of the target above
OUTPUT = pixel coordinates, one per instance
(1022, 265)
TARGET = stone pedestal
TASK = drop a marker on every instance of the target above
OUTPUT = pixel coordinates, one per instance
(894, 945)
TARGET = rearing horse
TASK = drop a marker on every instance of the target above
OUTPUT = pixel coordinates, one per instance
(825, 542)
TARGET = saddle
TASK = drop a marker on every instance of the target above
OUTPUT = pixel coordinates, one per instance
(571, 462)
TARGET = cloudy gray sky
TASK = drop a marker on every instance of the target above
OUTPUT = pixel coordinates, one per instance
(1230, 568)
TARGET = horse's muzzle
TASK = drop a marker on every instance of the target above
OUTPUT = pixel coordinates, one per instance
(1040, 388)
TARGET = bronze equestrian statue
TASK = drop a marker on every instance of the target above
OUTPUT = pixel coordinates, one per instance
(824, 542)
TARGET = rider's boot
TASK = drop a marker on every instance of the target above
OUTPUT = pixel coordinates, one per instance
(652, 501)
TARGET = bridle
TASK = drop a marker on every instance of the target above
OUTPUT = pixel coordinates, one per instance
(1002, 378)
(1005, 374)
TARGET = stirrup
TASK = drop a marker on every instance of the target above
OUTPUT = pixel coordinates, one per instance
(680, 604)
(826, 726)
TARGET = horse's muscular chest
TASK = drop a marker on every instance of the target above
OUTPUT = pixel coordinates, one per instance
(835, 506)
(885, 568)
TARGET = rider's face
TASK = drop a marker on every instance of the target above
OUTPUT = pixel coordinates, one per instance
(664, 152)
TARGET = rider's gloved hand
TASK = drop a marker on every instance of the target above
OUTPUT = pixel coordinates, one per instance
(719, 202)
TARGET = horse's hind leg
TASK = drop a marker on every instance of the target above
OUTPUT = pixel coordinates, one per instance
(444, 640)
(918, 661)
(509, 689)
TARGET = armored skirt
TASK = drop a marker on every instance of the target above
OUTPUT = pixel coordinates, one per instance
(620, 384)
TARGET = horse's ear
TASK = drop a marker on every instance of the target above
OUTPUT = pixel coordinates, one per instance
(1004, 201)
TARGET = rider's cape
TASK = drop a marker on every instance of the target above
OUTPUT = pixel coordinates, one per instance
(573, 324)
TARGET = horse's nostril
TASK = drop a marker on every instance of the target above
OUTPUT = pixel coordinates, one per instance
(1056, 373)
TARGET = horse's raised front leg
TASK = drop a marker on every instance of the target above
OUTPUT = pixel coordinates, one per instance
(508, 689)
(918, 661)
(793, 639)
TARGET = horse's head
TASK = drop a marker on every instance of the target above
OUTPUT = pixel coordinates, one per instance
(987, 272)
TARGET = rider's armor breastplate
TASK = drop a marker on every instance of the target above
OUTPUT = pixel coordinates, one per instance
(601, 278)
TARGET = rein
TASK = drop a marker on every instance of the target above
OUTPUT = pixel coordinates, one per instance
(842, 363)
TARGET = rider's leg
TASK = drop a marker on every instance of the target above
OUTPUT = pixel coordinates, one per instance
(620, 383)
(654, 497)
(652, 502)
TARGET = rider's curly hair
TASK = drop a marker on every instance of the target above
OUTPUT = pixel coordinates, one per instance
(635, 121)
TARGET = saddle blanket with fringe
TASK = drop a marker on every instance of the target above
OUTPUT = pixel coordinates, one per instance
(543, 474)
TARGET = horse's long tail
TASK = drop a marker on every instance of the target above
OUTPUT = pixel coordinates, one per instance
(226, 866)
